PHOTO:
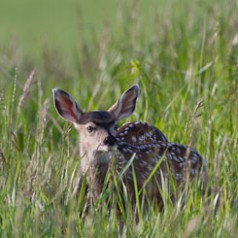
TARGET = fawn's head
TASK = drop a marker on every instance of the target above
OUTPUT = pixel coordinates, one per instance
(97, 129)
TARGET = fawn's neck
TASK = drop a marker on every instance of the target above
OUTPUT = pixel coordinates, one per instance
(93, 159)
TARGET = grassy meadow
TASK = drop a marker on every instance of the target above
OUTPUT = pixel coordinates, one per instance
(184, 56)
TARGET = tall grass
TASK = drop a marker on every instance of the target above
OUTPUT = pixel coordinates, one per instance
(188, 55)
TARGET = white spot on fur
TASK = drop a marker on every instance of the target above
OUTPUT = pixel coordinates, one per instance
(133, 138)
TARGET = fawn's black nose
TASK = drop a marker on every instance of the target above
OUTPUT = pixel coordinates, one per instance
(110, 140)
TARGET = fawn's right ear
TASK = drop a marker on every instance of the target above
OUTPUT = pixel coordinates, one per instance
(125, 105)
(66, 106)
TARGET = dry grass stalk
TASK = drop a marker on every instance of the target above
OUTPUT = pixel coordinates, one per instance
(26, 89)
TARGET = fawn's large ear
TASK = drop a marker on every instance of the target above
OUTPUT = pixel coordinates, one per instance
(125, 105)
(66, 106)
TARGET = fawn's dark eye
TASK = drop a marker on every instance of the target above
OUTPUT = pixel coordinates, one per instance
(90, 129)
(115, 127)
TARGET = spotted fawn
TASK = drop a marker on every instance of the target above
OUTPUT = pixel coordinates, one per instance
(153, 158)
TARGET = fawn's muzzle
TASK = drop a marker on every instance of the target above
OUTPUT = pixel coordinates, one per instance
(110, 140)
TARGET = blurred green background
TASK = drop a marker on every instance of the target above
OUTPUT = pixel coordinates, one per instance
(62, 25)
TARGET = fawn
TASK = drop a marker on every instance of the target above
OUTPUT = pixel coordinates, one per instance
(101, 143)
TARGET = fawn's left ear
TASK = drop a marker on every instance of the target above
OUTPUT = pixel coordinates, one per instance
(125, 105)
(66, 106)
